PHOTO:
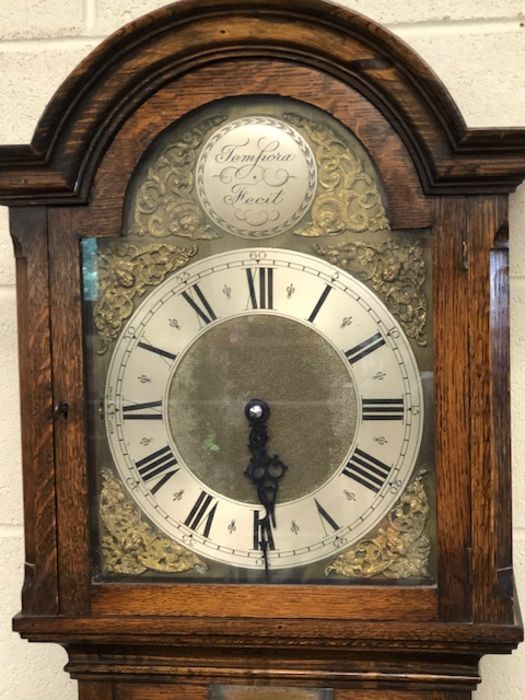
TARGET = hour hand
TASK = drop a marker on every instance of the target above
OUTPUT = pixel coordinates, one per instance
(263, 470)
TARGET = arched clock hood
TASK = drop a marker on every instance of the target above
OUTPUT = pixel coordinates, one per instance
(92, 104)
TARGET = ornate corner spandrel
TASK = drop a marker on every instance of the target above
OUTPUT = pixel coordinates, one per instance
(129, 545)
(395, 270)
(166, 203)
(400, 549)
(124, 272)
(348, 198)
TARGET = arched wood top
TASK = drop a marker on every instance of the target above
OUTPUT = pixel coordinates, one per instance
(88, 109)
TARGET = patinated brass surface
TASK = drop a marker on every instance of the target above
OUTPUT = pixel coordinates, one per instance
(400, 549)
(130, 545)
(125, 272)
(163, 202)
(395, 270)
(166, 203)
(303, 378)
(347, 199)
(255, 169)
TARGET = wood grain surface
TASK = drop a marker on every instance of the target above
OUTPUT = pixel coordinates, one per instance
(451, 361)
(74, 547)
(29, 231)
(108, 86)
(127, 641)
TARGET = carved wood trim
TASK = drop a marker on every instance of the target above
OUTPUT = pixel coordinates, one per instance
(278, 633)
(92, 104)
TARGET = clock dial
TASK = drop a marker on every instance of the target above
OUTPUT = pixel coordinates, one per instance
(307, 338)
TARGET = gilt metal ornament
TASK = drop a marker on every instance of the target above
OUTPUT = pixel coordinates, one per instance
(395, 270)
(130, 545)
(166, 204)
(125, 272)
(400, 549)
(348, 199)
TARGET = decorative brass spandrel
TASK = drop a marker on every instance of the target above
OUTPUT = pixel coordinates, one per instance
(257, 173)
(348, 199)
(129, 545)
(166, 202)
(125, 272)
(400, 549)
(395, 270)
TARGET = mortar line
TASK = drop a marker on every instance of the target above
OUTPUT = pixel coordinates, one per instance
(90, 15)
(473, 25)
(437, 26)
(46, 43)
(11, 530)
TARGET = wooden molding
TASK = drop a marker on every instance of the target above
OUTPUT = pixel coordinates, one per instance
(125, 70)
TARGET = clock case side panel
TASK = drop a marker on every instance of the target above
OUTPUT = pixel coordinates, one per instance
(451, 360)
(40, 594)
(488, 287)
(475, 433)
(74, 540)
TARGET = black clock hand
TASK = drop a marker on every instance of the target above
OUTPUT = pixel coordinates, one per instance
(264, 471)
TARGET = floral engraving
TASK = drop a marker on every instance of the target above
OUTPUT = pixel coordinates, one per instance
(125, 272)
(400, 549)
(165, 204)
(129, 545)
(396, 271)
(347, 199)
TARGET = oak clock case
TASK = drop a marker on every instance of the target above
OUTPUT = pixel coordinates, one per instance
(265, 421)
(257, 264)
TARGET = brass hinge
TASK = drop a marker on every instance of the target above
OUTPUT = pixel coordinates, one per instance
(470, 566)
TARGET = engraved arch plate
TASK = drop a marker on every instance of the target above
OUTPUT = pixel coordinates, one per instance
(256, 177)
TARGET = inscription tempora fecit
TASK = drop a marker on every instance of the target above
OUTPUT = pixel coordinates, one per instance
(256, 177)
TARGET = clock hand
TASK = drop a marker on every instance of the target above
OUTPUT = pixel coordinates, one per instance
(264, 471)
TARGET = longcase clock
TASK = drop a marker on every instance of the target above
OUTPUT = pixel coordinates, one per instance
(263, 311)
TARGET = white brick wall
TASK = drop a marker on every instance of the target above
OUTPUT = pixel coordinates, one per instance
(477, 47)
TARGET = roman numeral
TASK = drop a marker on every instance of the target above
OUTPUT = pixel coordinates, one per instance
(325, 517)
(383, 409)
(128, 412)
(264, 299)
(367, 470)
(262, 531)
(156, 464)
(201, 306)
(158, 351)
(203, 511)
(320, 302)
(365, 348)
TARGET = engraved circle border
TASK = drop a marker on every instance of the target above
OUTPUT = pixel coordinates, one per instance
(312, 177)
